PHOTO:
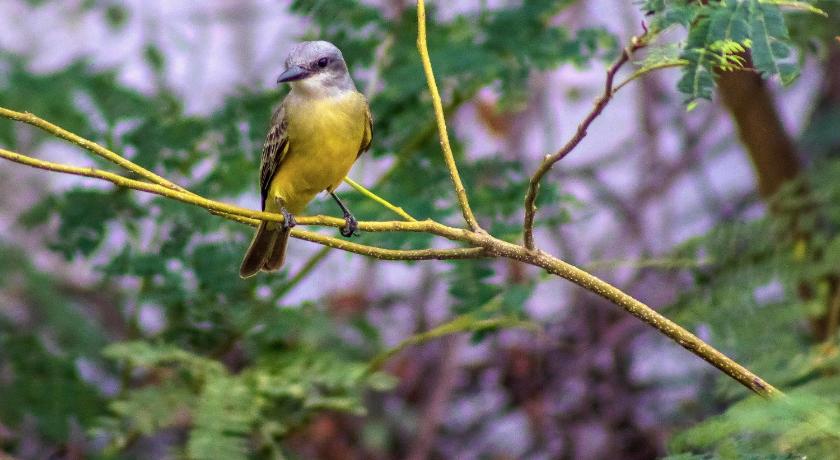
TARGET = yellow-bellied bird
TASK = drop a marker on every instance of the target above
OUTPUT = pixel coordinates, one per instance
(316, 134)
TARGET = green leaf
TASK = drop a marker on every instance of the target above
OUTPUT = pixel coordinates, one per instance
(223, 419)
(721, 32)
(730, 23)
(769, 42)
(665, 14)
(698, 78)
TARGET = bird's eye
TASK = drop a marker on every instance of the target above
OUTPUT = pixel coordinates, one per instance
(323, 62)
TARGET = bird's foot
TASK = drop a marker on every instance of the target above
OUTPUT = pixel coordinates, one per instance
(288, 219)
(350, 226)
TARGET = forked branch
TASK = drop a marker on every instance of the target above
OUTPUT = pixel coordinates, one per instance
(478, 243)
(580, 133)
(448, 157)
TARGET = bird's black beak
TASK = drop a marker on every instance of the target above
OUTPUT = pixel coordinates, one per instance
(293, 73)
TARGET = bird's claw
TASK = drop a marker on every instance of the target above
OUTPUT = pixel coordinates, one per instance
(288, 219)
(350, 227)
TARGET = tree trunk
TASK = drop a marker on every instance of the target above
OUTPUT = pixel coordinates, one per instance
(760, 129)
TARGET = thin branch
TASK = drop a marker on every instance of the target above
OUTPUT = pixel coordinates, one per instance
(656, 263)
(90, 146)
(645, 313)
(129, 165)
(550, 160)
(395, 209)
(253, 218)
(647, 70)
(448, 157)
(463, 323)
(390, 254)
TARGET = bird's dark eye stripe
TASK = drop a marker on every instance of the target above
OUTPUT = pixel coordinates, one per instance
(323, 62)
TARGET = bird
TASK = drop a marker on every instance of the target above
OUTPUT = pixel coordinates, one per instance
(316, 134)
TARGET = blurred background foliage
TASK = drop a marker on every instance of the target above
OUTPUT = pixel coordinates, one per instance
(125, 332)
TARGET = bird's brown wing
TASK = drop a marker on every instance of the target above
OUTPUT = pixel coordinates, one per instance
(368, 135)
(274, 150)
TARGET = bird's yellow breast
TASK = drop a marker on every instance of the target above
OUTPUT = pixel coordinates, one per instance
(325, 135)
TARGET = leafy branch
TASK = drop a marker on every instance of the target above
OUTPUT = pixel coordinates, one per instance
(477, 242)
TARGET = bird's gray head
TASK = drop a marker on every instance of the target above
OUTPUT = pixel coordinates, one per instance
(316, 69)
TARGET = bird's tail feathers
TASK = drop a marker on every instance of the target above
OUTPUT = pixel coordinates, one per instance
(275, 258)
(267, 250)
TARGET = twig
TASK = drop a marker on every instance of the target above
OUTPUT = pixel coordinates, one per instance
(463, 323)
(448, 157)
(657, 263)
(390, 254)
(96, 149)
(550, 160)
(253, 218)
(647, 70)
(89, 145)
(129, 165)
(395, 209)
(636, 308)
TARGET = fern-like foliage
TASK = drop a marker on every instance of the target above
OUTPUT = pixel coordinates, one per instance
(232, 414)
(721, 32)
(761, 290)
(224, 417)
